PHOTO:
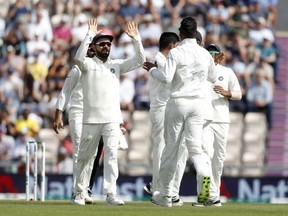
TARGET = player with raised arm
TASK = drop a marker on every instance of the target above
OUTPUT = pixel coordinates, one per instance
(101, 106)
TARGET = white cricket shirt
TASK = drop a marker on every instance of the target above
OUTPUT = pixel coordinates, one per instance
(71, 92)
(100, 82)
(228, 80)
(187, 67)
(158, 92)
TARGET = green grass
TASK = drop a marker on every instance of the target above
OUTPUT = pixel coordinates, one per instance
(64, 208)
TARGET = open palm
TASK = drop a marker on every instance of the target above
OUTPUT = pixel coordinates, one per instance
(92, 25)
(131, 29)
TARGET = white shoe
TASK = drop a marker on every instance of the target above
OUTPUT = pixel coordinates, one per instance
(79, 199)
(88, 200)
(176, 201)
(160, 200)
(112, 200)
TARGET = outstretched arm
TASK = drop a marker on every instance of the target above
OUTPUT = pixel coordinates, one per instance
(131, 30)
(82, 50)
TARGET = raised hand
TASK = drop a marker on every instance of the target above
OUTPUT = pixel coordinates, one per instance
(92, 25)
(131, 29)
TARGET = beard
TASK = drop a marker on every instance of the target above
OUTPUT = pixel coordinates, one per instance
(103, 54)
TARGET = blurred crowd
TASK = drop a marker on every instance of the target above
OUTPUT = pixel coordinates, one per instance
(39, 38)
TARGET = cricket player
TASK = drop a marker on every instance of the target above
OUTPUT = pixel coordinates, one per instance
(215, 134)
(187, 67)
(72, 94)
(159, 95)
(101, 106)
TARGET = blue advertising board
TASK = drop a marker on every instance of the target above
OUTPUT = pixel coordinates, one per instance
(235, 189)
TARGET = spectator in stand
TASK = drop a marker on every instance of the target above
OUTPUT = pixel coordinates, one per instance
(173, 8)
(198, 9)
(7, 144)
(78, 28)
(20, 149)
(150, 31)
(260, 96)
(129, 10)
(40, 26)
(255, 10)
(38, 46)
(38, 71)
(24, 122)
(16, 9)
(141, 99)
(257, 33)
(62, 33)
(12, 87)
(41, 7)
(17, 36)
(267, 69)
(270, 9)
(217, 18)
(267, 51)
(58, 71)
(10, 59)
(149, 7)
(6, 119)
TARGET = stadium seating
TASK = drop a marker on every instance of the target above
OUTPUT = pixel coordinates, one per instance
(139, 153)
(254, 144)
(234, 144)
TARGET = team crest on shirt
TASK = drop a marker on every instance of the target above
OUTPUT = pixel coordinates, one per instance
(220, 78)
(112, 70)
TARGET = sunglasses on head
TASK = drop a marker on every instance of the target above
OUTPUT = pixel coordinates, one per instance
(102, 44)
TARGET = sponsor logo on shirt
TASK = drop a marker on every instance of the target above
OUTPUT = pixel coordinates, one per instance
(220, 78)
(112, 70)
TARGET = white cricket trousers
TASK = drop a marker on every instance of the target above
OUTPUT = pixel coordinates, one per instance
(157, 119)
(183, 117)
(90, 137)
(214, 144)
(75, 130)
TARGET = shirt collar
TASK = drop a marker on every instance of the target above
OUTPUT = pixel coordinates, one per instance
(189, 41)
(100, 61)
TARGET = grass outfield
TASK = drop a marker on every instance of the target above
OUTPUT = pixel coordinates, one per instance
(64, 208)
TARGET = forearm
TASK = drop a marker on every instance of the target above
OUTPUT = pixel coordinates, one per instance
(82, 50)
(137, 60)
(58, 115)
(140, 53)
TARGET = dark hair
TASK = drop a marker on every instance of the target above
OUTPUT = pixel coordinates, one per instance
(167, 38)
(188, 27)
(198, 37)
